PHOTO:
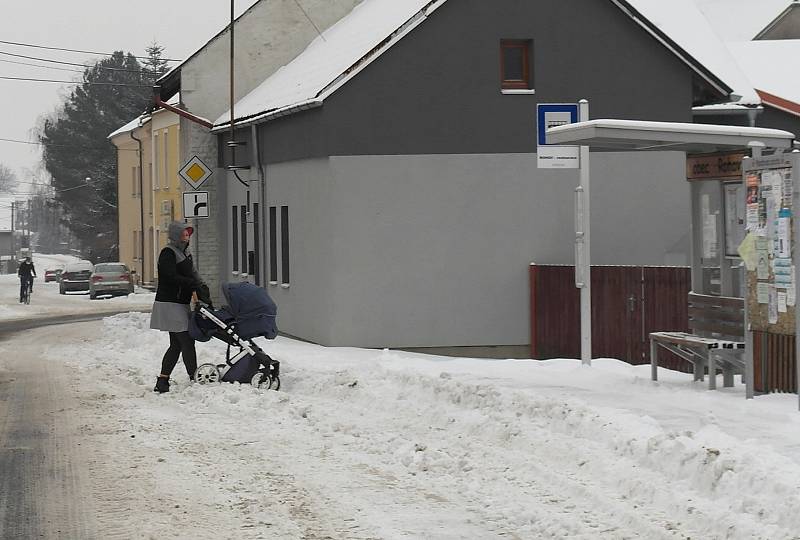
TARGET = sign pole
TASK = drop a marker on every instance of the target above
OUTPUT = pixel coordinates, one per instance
(583, 264)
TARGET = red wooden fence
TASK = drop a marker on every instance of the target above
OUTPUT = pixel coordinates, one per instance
(628, 302)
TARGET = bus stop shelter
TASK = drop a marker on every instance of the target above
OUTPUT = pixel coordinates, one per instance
(743, 184)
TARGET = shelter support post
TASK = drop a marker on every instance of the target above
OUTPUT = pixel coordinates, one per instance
(586, 259)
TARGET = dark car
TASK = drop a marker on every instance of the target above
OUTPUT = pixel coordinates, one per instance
(75, 277)
(52, 274)
(110, 279)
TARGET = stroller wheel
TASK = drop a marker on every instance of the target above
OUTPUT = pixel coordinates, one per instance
(261, 380)
(275, 383)
(207, 373)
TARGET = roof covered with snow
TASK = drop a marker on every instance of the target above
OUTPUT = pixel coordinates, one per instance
(689, 27)
(130, 126)
(740, 20)
(332, 57)
(374, 25)
(773, 68)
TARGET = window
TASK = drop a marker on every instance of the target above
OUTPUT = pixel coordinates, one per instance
(515, 64)
(166, 159)
(285, 245)
(156, 160)
(273, 245)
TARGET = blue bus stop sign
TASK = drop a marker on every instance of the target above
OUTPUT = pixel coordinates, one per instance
(549, 115)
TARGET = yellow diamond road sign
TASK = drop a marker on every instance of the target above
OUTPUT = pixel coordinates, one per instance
(195, 172)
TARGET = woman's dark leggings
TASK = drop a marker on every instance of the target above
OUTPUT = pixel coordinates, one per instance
(180, 343)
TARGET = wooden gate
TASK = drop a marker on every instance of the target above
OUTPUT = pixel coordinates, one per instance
(628, 302)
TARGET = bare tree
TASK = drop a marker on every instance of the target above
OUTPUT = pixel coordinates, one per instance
(8, 179)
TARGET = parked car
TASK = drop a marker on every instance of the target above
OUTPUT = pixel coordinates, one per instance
(113, 278)
(52, 274)
(75, 277)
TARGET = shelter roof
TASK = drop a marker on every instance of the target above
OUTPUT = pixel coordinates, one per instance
(632, 135)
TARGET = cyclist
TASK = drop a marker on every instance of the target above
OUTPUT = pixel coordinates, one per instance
(26, 273)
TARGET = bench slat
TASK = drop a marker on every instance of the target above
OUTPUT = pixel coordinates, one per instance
(714, 314)
(727, 302)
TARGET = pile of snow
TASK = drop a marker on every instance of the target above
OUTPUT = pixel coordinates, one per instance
(392, 444)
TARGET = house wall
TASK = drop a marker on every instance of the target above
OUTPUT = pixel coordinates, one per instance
(433, 250)
(269, 35)
(776, 118)
(145, 133)
(769, 117)
(128, 198)
(167, 201)
(438, 89)
(307, 305)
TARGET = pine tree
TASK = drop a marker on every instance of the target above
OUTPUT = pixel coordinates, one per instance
(155, 65)
(80, 158)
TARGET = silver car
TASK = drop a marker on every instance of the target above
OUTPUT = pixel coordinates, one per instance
(113, 278)
(75, 277)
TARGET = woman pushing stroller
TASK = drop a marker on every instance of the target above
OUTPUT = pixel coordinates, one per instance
(177, 280)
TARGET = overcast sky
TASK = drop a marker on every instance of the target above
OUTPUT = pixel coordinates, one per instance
(181, 26)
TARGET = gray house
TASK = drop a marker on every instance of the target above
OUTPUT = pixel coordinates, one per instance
(393, 197)
(268, 35)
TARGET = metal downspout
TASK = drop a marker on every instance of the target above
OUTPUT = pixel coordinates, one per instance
(180, 112)
(141, 205)
(262, 195)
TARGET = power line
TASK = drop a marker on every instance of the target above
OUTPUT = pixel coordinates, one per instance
(72, 63)
(78, 50)
(63, 145)
(41, 66)
(75, 82)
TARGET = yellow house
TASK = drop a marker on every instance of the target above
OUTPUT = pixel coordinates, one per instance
(135, 196)
(148, 188)
(166, 185)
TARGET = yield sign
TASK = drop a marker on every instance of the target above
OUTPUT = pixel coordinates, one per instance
(195, 172)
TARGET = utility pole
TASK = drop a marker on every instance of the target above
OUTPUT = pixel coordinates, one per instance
(13, 244)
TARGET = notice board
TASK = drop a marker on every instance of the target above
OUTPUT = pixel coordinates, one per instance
(769, 246)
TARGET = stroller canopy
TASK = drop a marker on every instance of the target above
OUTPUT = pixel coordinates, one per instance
(252, 308)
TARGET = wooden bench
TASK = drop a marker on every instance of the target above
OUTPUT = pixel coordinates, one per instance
(716, 340)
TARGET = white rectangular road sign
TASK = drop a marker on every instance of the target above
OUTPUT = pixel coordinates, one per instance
(558, 157)
(195, 204)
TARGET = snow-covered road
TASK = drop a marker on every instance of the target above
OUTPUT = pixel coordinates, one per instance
(385, 444)
(46, 302)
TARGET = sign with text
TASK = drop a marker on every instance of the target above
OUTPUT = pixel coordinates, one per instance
(195, 172)
(714, 166)
(195, 204)
(550, 115)
(558, 157)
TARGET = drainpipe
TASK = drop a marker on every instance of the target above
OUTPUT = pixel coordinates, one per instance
(180, 112)
(262, 183)
(141, 203)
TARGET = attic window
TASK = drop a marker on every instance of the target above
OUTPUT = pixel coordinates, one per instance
(515, 64)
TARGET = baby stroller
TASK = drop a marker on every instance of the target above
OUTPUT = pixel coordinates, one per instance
(250, 313)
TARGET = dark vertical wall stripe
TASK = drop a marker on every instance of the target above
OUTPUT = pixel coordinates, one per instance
(285, 244)
(235, 236)
(243, 220)
(257, 242)
(273, 244)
